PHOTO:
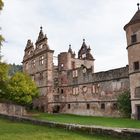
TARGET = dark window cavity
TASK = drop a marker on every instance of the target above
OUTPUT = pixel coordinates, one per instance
(88, 106)
(62, 91)
(68, 106)
(102, 106)
(134, 38)
(136, 65)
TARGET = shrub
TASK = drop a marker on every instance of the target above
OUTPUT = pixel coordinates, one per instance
(22, 89)
(124, 104)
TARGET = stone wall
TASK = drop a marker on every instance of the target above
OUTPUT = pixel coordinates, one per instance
(95, 94)
(125, 133)
(12, 109)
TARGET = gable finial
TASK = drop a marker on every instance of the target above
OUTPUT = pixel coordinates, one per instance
(84, 40)
(138, 6)
(41, 27)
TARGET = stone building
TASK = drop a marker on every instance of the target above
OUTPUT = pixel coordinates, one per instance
(133, 47)
(73, 87)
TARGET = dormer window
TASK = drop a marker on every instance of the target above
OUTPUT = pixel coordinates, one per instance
(134, 38)
(41, 46)
(84, 55)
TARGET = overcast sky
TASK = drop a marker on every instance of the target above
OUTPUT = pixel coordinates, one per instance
(66, 22)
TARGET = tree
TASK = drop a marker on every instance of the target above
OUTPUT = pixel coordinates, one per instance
(3, 79)
(13, 68)
(124, 103)
(1, 37)
(22, 90)
(1, 4)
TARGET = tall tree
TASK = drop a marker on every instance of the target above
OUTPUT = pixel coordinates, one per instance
(13, 68)
(3, 79)
(1, 37)
(1, 4)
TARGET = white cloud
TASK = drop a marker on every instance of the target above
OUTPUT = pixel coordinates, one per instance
(68, 22)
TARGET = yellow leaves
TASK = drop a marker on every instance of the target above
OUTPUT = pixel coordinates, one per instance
(1, 4)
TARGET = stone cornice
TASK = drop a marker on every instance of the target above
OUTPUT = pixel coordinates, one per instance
(132, 44)
(37, 54)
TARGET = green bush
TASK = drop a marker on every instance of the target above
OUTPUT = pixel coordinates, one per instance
(22, 89)
(124, 104)
(19, 88)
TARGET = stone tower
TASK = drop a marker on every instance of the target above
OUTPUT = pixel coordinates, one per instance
(133, 46)
(38, 63)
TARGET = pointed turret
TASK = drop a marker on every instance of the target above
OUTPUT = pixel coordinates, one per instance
(135, 19)
(29, 45)
(84, 52)
(70, 50)
(41, 36)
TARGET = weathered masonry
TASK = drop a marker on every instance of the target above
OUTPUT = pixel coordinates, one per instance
(73, 87)
(133, 47)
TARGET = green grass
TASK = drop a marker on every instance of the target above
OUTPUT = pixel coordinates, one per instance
(22, 131)
(89, 120)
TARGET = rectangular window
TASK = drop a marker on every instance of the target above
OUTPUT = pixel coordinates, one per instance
(88, 106)
(137, 92)
(114, 106)
(56, 98)
(75, 73)
(134, 38)
(68, 106)
(41, 60)
(62, 91)
(136, 65)
(33, 63)
(75, 91)
(73, 65)
(84, 55)
(95, 88)
(102, 106)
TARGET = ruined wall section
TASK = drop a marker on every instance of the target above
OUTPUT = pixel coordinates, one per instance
(94, 94)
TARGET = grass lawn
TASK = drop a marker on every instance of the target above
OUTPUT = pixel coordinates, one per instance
(22, 131)
(89, 120)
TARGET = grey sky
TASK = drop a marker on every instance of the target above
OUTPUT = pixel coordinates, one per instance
(66, 22)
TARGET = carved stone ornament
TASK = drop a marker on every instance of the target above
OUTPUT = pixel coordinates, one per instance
(84, 89)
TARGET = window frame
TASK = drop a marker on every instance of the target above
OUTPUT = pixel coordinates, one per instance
(136, 65)
(103, 106)
(41, 60)
(133, 38)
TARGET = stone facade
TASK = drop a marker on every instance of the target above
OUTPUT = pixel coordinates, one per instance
(133, 47)
(91, 93)
(73, 87)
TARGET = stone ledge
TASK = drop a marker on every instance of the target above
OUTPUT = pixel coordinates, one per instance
(117, 132)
